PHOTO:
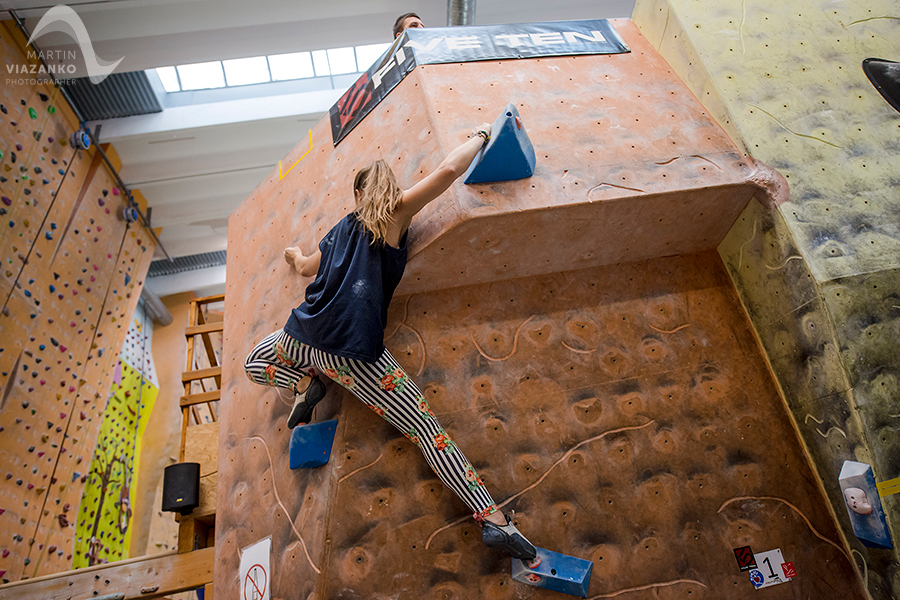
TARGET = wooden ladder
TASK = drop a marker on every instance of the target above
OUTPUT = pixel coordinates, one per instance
(200, 444)
(197, 325)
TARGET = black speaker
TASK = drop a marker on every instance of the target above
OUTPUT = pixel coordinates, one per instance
(181, 488)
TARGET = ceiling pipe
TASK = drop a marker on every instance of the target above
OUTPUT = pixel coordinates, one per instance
(460, 12)
(154, 308)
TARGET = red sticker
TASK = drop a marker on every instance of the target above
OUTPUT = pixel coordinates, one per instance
(789, 570)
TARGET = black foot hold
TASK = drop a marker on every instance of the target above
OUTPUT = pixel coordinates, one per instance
(885, 76)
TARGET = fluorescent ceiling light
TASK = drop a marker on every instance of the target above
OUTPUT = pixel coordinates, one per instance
(291, 66)
(246, 71)
(201, 76)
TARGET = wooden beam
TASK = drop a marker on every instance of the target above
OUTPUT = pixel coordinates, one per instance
(191, 535)
(205, 328)
(201, 398)
(211, 353)
(184, 426)
(201, 374)
(145, 577)
(192, 320)
(210, 299)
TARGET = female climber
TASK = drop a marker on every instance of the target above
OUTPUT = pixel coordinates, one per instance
(339, 329)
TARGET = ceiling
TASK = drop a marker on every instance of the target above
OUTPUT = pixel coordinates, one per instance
(197, 160)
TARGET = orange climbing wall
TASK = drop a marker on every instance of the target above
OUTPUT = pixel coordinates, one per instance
(575, 332)
(71, 277)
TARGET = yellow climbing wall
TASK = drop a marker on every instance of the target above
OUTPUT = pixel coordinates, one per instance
(70, 279)
(104, 525)
(818, 276)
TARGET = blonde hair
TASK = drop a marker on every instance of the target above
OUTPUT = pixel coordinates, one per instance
(379, 195)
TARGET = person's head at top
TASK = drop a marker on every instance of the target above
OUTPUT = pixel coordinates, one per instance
(377, 194)
(405, 21)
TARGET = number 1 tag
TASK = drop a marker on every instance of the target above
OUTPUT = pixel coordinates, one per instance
(770, 569)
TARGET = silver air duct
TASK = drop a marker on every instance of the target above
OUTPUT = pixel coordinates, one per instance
(460, 12)
(154, 308)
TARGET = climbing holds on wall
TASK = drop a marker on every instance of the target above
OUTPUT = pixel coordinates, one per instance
(508, 155)
(885, 76)
(553, 571)
(310, 445)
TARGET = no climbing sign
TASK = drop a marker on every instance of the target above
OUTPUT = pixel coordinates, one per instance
(254, 572)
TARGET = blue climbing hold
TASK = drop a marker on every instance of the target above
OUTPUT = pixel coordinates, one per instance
(554, 571)
(508, 155)
(311, 444)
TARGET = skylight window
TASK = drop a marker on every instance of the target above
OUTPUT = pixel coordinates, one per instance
(265, 69)
(341, 60)
(367, 55)
(296, 65)
(201, 76)
(169, 78)
(320, 62)
(246, 71)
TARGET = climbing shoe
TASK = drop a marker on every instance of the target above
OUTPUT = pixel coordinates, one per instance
(305, 402)
(507, 536)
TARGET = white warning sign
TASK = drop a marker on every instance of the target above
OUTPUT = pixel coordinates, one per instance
(254, 571)
(771, 569)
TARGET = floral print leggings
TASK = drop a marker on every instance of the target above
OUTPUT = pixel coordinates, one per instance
(280, 360)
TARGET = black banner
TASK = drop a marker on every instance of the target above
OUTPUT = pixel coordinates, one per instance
(467, 44)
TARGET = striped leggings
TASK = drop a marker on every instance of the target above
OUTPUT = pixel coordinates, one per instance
(280, 360)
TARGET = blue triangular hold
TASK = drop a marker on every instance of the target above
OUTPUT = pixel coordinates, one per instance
(554, 571)
(507, 156)
(311, 444)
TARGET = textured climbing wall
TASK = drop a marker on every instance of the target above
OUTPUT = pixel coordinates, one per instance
(71, 278)
(793, 89)
(103, 526)
(624, 411)
(819, 278)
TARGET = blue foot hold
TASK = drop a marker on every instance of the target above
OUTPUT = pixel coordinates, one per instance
(554, 571)
(509, 154)
(311, 444)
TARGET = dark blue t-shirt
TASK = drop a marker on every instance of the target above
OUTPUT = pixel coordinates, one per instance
(345, 311)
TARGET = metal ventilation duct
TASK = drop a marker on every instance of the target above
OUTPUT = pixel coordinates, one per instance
(119, 95)
(158, 268)
(460, 12)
